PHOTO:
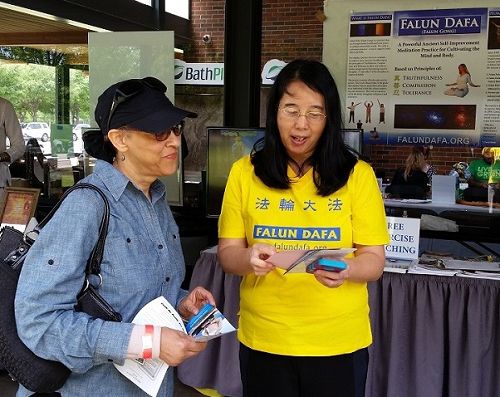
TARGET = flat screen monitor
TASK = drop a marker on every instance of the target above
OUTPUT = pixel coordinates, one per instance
(225, 146)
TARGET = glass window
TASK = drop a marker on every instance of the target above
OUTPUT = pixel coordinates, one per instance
(178, 7)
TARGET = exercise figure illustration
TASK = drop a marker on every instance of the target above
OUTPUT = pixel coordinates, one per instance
(460, 88)
(381, 115)
(351, 111)
(368, 106)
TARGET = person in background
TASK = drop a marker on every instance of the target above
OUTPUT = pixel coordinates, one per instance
(480, 174)
(411, 182)
(460, 88)
(301, 187)
(9, 128)
(427, 168)
(138, 142)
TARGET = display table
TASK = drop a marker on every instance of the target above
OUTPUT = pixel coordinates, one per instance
(475, 223)
(433, 336)
(437, 208)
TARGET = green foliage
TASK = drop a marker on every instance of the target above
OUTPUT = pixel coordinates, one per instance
(79, 100)
(33, 55)
(31, 89)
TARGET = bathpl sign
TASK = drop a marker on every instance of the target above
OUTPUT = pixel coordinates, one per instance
(405, 234)
(198, 73)
(213, 73)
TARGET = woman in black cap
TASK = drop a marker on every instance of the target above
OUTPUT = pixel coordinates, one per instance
(138, 142)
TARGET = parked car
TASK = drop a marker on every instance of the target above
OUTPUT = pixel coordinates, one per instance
(77, 130)
(36, 130)
(77, 136)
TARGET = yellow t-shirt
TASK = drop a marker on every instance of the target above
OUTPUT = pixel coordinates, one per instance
(294, 314)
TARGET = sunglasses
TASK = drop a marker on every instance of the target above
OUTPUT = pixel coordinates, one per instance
(129, 89)
(176, 130)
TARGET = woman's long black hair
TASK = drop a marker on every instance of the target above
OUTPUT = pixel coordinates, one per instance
(332, 160)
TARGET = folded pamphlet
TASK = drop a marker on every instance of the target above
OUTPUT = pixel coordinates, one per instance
(296, 261)
(208, 324)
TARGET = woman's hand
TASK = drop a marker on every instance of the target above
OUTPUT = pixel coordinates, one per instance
(332, 279)
(176, 346)
(236, 257)
(192, 303)
(258, 254)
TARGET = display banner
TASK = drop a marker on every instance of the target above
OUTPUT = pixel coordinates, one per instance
(426, 77)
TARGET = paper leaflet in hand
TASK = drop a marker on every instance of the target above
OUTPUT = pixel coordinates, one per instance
(149, 374)
(208, 324)
(296, 261)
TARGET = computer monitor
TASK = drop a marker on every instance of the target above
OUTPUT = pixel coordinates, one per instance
(225, 146)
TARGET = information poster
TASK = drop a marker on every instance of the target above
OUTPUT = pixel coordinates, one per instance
(426, 77)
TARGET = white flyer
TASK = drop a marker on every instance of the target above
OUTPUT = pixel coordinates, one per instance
(149, 374)
(208, 324)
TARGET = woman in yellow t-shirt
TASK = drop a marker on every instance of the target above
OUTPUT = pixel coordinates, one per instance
(303, 334)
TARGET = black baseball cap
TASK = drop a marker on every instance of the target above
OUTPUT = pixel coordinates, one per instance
(140, 104)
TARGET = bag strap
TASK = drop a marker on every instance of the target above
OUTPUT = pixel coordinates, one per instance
(95, 258)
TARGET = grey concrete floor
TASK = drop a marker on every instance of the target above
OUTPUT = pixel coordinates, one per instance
(8, 388)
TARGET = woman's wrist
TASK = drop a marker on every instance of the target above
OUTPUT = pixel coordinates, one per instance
(144, 342)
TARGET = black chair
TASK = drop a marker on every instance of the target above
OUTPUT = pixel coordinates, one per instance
(406, 191)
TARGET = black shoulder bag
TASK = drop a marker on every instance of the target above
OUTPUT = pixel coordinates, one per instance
(35, 373)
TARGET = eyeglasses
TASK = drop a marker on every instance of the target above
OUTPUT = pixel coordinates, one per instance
(176, 130)
(293, 113)
(129, 89)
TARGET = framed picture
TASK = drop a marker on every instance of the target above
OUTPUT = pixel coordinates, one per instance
(19, 205)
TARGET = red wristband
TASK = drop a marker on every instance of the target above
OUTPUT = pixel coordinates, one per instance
(147, 342)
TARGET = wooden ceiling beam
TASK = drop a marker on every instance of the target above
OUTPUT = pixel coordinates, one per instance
(68, 37)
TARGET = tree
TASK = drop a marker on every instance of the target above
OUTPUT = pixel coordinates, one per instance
(9, 83)
(37, 92)
(79, 96)
(31, 87)
(33, 55)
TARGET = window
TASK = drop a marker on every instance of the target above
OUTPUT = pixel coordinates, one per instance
(175, 7)
(178, 7)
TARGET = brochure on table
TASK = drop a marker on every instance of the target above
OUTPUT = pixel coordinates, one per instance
(149, 374)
